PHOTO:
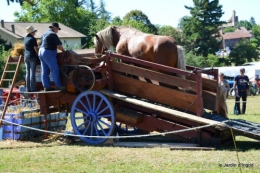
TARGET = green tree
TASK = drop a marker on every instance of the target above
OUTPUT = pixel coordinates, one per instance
(138, 19)
(252, 21)
(201, 29)
(182, 21)
(256, 34)
(229, 29)
(5, 45)
(70, 13)
(243, 52)
(170, 31)
(248, 25)
(102, 13)
(117, 21)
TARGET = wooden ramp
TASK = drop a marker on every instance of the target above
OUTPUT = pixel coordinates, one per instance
(162, 109)
(240, 127)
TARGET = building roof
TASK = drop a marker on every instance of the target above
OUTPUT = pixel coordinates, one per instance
(240, 32)
(20, 31)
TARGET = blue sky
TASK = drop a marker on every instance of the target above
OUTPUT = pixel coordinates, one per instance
(162, 12)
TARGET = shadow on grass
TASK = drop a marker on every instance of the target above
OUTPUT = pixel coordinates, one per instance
(242, 144)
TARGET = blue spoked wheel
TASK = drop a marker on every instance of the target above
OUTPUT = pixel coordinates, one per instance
(126, 129)
(93, 116)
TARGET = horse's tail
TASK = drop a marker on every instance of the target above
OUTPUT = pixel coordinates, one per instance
(181, 59)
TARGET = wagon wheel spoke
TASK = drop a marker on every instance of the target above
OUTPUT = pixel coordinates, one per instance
(92, 116)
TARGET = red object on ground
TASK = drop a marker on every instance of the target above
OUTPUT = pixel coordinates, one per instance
(15, 97)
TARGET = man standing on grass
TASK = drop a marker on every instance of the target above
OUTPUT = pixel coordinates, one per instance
(242, 83)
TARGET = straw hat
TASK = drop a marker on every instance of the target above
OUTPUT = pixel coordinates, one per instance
(30, 29)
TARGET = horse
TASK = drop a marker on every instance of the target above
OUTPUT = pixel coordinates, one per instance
(134, 43)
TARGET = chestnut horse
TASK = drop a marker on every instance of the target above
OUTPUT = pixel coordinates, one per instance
(132, 42)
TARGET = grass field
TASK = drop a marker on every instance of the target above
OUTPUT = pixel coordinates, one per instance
(53, 156)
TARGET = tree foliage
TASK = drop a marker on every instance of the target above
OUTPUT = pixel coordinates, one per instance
(182, 22)
(202, 62)
(170, 31)
(139, 20)
(201, 29)
(248, 25)
(256, 34)
(70, 13)
(229, 29)
(243, 52)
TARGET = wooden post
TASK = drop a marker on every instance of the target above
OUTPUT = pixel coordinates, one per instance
(44, 108)
(200, 106)
(109, 71)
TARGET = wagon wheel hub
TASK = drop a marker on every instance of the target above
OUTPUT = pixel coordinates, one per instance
(91, 117)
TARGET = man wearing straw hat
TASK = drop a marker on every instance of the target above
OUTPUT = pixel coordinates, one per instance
(30, 58)
(50, 42)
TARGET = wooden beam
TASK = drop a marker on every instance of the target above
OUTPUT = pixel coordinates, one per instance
(161, 109)
(154, 75)
(172, 97)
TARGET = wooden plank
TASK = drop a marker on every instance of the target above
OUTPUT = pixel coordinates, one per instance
(161, 109)
(153, 144)
(209, 100)
(153, 75)
(159, 94)
(128, 115)
(207, 84)
(192, 148)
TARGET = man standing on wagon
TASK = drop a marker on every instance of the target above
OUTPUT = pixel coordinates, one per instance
(50, 42)
(242, 90)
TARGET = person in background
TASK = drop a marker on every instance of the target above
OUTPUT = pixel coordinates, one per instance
(50, 42)
(30, 58)
(223, 88)
(224, 84)
(241, 82)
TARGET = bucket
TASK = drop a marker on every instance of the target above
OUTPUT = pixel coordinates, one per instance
(1, 133)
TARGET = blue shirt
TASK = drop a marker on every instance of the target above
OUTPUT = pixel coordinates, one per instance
(29, 44)
(242, 82)
(50, 40)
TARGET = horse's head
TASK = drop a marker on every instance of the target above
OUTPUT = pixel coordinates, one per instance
(106, 39)
(100, 47)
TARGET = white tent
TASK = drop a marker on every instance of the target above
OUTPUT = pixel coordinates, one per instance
(250, 71)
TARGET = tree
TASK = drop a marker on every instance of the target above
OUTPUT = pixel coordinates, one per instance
(243, 52)
(256, 34)
(78, 17)
(140, 21)
(248, 25)
(201, 29)
(182, 21)
(4, 45)
(228, 29)
(170, 31)
(252, 21)
(32, 2)
(117, 21)
(102, 12)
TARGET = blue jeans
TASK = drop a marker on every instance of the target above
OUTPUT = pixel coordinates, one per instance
(30, 65)
(49, 64)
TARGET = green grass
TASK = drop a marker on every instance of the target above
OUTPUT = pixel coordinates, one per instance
(52, 156)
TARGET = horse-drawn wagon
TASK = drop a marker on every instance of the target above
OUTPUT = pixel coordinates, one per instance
(103, 93)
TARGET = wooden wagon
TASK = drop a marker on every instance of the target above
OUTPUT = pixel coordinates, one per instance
(104, 93)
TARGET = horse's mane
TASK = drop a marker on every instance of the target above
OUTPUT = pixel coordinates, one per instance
(105, 36)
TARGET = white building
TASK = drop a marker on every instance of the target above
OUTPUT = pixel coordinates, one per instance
(14, 32)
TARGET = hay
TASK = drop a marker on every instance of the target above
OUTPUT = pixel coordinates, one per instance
(17, 50)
